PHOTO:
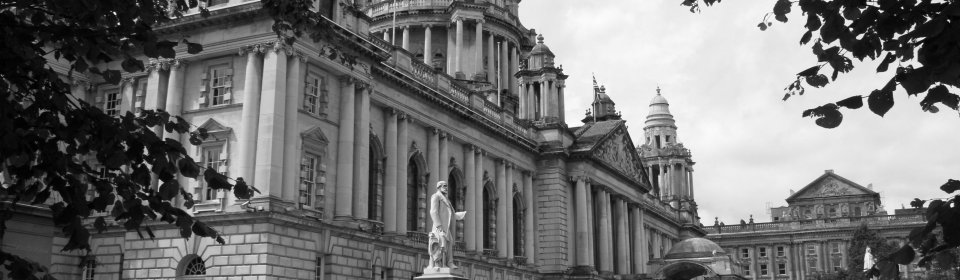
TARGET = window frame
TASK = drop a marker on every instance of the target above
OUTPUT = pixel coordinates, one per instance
(89, 268)
(112, 111)
(762, 252)
(315, 87)
(314, 143)
(764, 270)
(781, 251)
(744, 253)
(216, 90)
(140, 95)
(221, 166)
(781, 269)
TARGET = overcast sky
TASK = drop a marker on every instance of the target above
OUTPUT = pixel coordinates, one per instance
(724, 79)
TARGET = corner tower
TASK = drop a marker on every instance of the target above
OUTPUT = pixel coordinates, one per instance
(667, 161)
(541, 86)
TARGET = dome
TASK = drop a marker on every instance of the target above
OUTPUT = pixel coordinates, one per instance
(659, 99)
(694, 248)
(540, 48)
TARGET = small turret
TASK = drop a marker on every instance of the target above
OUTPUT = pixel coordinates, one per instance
(541, 86)
(603, 107)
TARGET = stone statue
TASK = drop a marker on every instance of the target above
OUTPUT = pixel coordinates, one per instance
(440, 245)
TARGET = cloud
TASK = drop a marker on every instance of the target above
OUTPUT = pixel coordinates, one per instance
(724, 79)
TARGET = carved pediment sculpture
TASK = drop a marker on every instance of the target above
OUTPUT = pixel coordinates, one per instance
(617, 152)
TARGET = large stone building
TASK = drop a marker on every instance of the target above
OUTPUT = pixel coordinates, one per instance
(346, 152)
(810, 236)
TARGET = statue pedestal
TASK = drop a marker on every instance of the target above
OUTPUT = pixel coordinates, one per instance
(444, 273)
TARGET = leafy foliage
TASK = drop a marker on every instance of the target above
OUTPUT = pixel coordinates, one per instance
(921, 36)
(49, 138)
(862, 238)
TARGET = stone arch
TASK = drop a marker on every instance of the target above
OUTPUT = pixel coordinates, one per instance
(490, 198)
(376, 171)
(416, 190)
(684, 270)
(519, 210)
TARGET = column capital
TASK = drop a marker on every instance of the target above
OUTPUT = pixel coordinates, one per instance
(280, 45)
(176, 63)
(364, 85)
(257, 48)
(509, 165)
(479, 20)
(458, 19)
(443, 135)
(392, 111)
(126, 81)
(346, 80)
(434, 130)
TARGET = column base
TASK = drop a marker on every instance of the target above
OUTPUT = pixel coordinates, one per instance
(582, 270)
(459, 75)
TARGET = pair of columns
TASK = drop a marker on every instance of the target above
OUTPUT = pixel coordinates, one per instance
(676, 180)
(353, 149)
(619, 226)
(506, 247)
(543, 98)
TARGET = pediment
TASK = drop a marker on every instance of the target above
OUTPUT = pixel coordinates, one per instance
(830, 185)
(617, 151)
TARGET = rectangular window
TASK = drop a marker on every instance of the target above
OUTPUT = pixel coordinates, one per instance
(835, 248)
(782, 269)
(309, 193)
(318, 269)
(746, 270)
(210, 156)
(89, 269)
(111, 104)
(140, 96)
(811, 249)
(744, 253)
(312, 94)
(220, 84)
(763, 270)
(781, 251)
(763, 252)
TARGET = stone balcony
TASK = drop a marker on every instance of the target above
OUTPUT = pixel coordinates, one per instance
(494, 8)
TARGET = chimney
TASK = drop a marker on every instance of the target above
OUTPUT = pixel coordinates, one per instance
(792, 192)
(830, 171)
(870, 186)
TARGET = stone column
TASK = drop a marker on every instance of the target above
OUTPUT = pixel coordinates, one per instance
(249, 117)
(505, 67)
(291, 157)
(522, 94)
(175, 93)
(427, 46)
(639, 260)
(361, 154)
(514, 67)
(478, 44)
(543, 98)
(402, 161)
(451, 50)
(623, 245)
(583, 227)
(470, 184)
(531, 101)
(528, 228)
(390, 183)
(560, 110)
(478, 215)
(444, 174)
(510, 215)
(459, 50)
(156, 87)
(592, 226)
(270, 130)
(502, 200)
(433, 163)
(344, 195)
(691, 184)
(405, 42)
(606, 262)
(491, 59)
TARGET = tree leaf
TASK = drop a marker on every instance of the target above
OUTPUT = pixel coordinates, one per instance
(809, 71)
(880, 101)
(813, 22)
(806, 37)
(886, 62)
(939, 94)
(188, 168)
(111, 76)
(194, 48)
(215, 180)
(853, 102)
(904, 256)
(132, 65)
(169, 190)
(781, 9)
(950, 186)
(241, 190)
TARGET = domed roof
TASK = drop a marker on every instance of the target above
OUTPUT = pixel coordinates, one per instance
(695, 247)
(540, 48)
(659, 99)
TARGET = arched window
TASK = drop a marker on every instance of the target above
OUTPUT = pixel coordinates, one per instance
(416, 194)
(375, 190)
(489, 216)
(191, 265)
(518, 212)
(456, 196)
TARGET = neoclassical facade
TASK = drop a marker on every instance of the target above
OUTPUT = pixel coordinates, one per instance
(345, 153)
(810, 235)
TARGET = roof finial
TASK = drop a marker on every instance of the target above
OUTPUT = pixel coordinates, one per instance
(540, 38)
(658, 89)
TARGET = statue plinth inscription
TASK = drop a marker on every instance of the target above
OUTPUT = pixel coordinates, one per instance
(441, 239)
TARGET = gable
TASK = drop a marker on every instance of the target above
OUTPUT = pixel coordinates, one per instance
(617, 151)
(830, 185)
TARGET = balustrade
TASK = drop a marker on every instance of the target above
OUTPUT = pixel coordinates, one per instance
(819, 223)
